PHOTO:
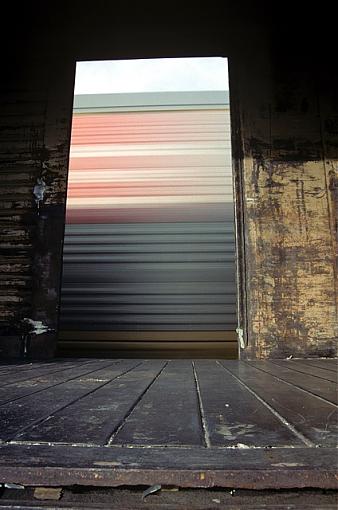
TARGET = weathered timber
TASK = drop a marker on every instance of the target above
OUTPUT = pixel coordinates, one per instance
(304, 368)
(219, 423)
(168, 413)
(33, 371)
(43, 465)
(21, 414)
(327, 364)
(100, 413)
(35, 384)
(312, 417)
(315, 385)
(229, 424)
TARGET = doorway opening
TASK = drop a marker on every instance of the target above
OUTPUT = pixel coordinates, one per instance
(149, 248)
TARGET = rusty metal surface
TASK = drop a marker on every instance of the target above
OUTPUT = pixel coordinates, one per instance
(170, 498)
(173, 498)
(56, 465)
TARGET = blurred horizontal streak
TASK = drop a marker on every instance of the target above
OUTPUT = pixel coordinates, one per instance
(161, 290)
(107, 201)
(157, 349)
(149, 241)
(82, 151)
(148, 229)
(141, 214)
(151, 336)
(143, 176)
(160, 162)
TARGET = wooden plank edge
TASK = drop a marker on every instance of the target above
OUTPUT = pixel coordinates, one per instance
(280, 468)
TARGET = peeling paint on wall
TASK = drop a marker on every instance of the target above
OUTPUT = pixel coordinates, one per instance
(36, 327)
(291, 271)
(39, 191)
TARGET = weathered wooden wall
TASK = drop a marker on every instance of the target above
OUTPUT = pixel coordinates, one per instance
(34, 152)
(290, 238)
(290, 174)
(285, 118)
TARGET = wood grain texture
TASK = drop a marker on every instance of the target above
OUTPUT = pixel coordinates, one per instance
(25, 412)
(99, 413)
(168, 413)
(41, 465)
(325, 364)
(305, 368)
(37, 383)
(314, 418)
(227, 423)
(194, 423)
(315, 385)
(291, 289)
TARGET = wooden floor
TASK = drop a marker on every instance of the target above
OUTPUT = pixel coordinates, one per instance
(190, 423)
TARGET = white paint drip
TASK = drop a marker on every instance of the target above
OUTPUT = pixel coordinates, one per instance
(39, 191)
(240, 334)
(288, 464)
(38, 328)
(241, 446)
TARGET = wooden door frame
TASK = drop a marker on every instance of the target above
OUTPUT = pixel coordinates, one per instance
(237, 152)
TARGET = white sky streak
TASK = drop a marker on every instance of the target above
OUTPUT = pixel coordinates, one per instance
(151, 75)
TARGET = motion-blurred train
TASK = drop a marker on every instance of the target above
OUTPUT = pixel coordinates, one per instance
(149, 248)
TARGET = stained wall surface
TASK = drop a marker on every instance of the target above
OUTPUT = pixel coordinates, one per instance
(284, 108)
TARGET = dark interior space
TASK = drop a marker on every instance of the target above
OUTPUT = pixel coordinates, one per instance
(284, 128)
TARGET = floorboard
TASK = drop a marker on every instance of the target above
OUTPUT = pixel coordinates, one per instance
(28, 373)
(229, 423)
(168, 413)
(314, 419)
(191, 423)
(299, 366)
(99, 413)
(21, 414)
(310, 383)
(34, 385)
(326, 364)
